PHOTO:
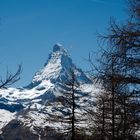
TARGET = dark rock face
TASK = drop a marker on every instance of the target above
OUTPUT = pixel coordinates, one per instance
(58, 47)
(16, 131)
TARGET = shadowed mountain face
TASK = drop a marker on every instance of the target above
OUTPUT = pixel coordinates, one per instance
(16, 130)
(34, 105)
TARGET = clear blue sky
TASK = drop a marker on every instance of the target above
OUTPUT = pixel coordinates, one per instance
(30, 28)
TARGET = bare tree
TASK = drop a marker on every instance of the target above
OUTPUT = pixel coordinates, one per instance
(119, 74)
(10, 78)
(69, 95)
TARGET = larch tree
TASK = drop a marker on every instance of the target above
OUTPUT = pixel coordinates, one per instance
(119, 75)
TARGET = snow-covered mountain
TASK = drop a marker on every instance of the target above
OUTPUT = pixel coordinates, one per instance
(34, 105)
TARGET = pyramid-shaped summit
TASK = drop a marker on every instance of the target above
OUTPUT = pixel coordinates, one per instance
(59, 55)
(58, 66)
(58, 62)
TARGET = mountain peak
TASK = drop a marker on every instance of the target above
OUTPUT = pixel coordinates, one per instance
(57, 67)
(58, 47)
(57, 63)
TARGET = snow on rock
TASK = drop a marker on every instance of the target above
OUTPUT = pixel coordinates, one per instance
(54, 65)
(13, 94)
(5, 117)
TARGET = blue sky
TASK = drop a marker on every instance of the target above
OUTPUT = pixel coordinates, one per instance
(30, 28)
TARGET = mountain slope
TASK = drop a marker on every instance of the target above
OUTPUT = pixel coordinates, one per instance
(43, 98)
